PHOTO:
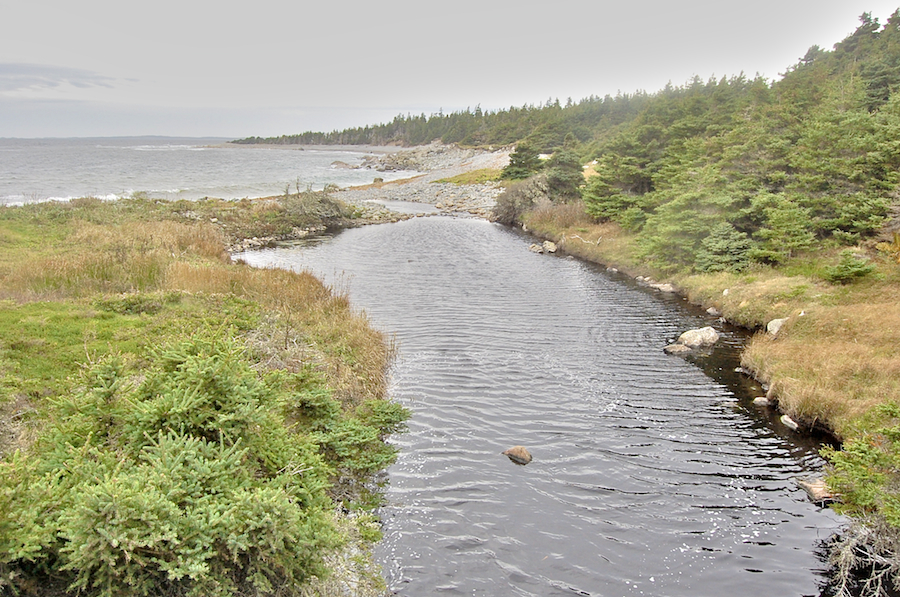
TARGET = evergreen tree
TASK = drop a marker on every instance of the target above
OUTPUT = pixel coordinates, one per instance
(523, 162)
(565, 176)
(725, 249)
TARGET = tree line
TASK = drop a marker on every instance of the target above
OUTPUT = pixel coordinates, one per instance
(714, 174)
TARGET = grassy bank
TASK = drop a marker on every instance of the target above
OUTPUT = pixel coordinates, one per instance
(834, 365)
(135, 361)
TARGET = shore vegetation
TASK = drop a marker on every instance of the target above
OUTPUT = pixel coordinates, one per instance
(174, 423)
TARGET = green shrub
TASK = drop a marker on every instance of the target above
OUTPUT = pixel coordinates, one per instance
(184, 482)
(725, 249)
(523, 163)
(851, 267)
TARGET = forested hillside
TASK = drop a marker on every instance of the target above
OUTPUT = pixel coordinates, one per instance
(719, 174)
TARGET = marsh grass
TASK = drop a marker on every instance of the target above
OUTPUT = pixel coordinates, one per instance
(74, 252)
(834, 364)
(474, 177)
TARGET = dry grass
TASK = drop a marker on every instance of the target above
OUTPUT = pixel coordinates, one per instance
(834, 364)
(264, 206)
(109, 259)
(378, 185)
(753, 298)
(178, 239)
(578, 235)
(352, 354)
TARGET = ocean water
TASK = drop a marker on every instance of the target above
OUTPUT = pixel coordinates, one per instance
(34, 170)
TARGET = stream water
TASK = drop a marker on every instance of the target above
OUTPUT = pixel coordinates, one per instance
(652, 474)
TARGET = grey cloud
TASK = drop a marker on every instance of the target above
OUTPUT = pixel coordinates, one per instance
(17, 76)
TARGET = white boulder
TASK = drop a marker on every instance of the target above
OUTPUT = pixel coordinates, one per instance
(774, 326)
(699, 338)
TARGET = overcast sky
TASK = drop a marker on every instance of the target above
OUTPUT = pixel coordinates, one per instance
(101, 68)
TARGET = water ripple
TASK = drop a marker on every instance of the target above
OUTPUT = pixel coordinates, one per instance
(649, 477)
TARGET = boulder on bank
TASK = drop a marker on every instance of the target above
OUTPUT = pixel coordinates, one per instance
(774, 326)
(536, 248)
(790, 423)
(699, 338)
(693, 339)
(549, 246)
(818, 491)
(518, 454)
(664, 287)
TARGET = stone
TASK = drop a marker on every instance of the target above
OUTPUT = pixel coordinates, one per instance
(663, 287)
(549, 246)
(725, 292)
(699, 338)
(536, 248)
(676, 349)
(774, 326)
(789, 423)
(761, 401)
(518, 454)
(714, 312)
(612, 270)
(817, 490)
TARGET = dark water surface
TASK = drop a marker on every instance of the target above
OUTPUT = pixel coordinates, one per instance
(649, 476)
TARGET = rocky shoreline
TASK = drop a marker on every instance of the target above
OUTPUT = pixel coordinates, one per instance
(438, 162)
(373, 203)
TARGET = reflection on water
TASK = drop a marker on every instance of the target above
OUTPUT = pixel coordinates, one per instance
(649, 476)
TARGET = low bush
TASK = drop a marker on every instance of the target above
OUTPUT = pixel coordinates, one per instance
(183, 481)
(519, 198)
(851, 267)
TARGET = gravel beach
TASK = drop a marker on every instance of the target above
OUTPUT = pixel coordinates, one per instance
(437, 161)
